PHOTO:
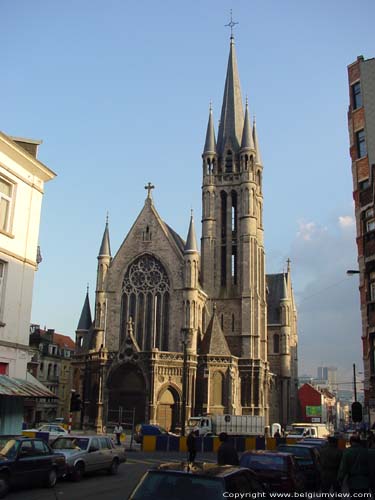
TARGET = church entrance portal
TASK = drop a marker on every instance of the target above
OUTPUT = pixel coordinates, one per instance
(167, 411)
(127, 391)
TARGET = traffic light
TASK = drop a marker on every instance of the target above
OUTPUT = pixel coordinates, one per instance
(357, 412)
(75, 402)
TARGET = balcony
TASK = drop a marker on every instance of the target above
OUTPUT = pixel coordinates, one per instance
(365, 197)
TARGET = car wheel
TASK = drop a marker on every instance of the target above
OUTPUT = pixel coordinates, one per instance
(114, 467)
(4, 485)
(51, 478)
(78, 472)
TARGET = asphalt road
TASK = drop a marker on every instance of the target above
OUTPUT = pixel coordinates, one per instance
(100, 486)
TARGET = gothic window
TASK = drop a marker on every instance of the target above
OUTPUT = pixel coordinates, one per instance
(229, 162)
(217, 389)
(222, 321)
(223, 195)
(232, 322)
(147, 234)
(246, 162)
(145, 298)
(276, 343)
(259, 179)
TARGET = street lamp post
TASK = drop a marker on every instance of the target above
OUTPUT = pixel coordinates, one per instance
(185, 334)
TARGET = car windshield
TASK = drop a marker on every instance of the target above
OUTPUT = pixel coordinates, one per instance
(174, 486)
(298, 430)
(8, 447)
(298, 451)
(193, 422)
(263, 462)
(70, 443)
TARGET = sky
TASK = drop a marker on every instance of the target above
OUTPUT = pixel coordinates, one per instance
(119, 93)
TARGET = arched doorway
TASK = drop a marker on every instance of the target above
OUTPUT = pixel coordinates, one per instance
(127, 390)
(167, 410)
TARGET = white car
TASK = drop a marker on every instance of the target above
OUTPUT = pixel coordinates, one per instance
(54, 431)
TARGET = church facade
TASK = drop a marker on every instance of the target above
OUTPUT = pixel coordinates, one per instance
(179, 332)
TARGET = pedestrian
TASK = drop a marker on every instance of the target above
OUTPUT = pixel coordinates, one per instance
(226, 454)
(330, 459)
(118, 430)
(355, 467)
(191, 446)
(277, 434)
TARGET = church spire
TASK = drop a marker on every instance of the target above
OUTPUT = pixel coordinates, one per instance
(232, 118)
(85, 320)
(105, 247)
(247, 137)
(256, 144)
(191, 242)
(210, 144)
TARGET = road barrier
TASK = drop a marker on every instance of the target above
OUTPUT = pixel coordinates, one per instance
(36, 434)
(212, 443)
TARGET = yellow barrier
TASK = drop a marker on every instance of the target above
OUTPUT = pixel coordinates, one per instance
(149, 443)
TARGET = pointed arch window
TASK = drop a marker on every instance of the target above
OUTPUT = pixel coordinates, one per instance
(229, 162)
(276, 343)
(145, 298)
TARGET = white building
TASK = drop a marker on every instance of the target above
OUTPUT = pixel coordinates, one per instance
(22, 179)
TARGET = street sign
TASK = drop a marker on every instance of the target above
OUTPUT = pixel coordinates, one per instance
(313, 411)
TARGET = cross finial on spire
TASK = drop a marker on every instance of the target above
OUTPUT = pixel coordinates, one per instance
(247, 101)
(231, 24)
(210, 105)
(87, 289)
(149, 187)
(107, 217)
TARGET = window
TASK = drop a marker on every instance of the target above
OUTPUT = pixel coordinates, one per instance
(370, 225)
(4, 368)
(41, 448)
(372, 291)
(276, 343)
(357, 95)
(6, 193)
(361, 143)
(369, 213)
(2, 283)
(364, 184)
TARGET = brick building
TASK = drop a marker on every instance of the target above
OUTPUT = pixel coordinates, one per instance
(361, 122)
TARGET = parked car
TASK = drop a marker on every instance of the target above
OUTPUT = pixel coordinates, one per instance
(279, 471)
(54, 430)
(317, 442)
(186, 482)
(307, 457)
(89, 453)
(25, 461)
(149, 430)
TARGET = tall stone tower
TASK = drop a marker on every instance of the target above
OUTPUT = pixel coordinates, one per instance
(232, 248)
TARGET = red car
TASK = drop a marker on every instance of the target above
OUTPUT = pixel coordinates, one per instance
(278, 471)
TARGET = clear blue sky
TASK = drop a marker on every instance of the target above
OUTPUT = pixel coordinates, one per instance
(119, 92)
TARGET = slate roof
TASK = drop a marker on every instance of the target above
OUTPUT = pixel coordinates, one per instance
(24, 388)
(275, 288)
(176, 237)
(105, 247)
(210, 144)
(214, 341)
(64, 341)
(85, 320)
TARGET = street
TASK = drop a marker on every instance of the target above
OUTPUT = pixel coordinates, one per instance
(101, 485)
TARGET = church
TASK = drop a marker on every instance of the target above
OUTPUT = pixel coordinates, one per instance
(180, 331)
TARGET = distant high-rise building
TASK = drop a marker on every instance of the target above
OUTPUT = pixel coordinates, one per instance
(327, 373)
(361, 122)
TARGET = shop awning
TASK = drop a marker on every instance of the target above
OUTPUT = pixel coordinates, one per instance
(24, 388)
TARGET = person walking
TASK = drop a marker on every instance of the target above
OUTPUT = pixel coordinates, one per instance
(226, 454)
(330, 459)
(118, 430)
(355, 467)
(191, 446)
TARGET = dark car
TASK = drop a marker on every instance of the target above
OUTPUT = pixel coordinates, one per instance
(25, 461)
(198, 481)
(307, 457)
(317, 442)
(149, 430)
(279, 471)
